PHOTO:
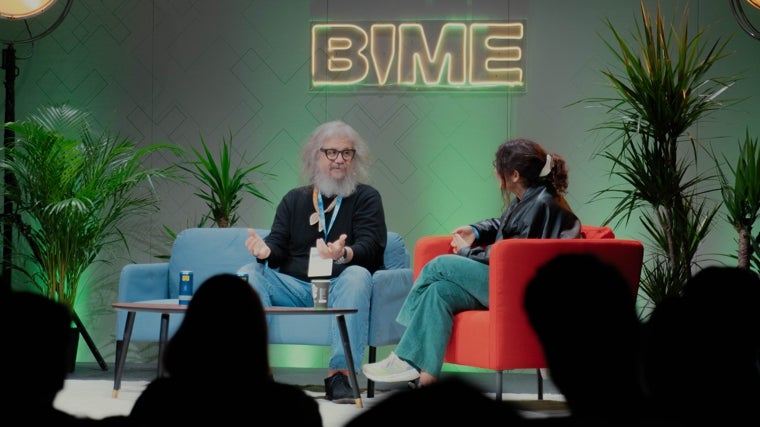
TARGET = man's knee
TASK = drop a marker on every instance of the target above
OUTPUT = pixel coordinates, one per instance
(355, 283)
(356, 274)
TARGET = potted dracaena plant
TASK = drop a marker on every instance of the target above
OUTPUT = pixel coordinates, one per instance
(661, 86)
(742, 199)
(72, 189)
(221, 185)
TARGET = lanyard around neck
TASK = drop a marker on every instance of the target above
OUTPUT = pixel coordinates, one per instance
(320, 203)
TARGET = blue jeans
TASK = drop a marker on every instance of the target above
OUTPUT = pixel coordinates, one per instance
(352, 288)
(446, 285)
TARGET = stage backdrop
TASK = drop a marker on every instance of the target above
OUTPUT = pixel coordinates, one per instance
(159, 71)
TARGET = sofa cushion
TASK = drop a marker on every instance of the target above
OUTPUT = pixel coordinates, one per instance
(207, 252)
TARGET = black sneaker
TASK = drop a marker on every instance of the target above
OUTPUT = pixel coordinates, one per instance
(338, 389)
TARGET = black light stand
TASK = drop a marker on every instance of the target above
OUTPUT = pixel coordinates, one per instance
(11, 71)
(9, 65)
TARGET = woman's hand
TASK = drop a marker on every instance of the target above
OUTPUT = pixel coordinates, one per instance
(458, 242)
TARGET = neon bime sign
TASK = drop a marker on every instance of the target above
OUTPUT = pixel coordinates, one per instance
(429, 55)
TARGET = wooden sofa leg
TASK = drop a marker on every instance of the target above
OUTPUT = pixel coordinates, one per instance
(371, 359)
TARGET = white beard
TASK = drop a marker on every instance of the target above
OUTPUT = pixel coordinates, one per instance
(330, 187)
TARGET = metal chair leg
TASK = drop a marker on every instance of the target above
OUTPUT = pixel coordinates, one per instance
(499, 380)
(540, 384)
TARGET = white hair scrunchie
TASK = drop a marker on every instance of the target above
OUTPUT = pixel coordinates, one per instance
(547, 166)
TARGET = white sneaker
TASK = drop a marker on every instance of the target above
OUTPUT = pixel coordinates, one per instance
(390, 370)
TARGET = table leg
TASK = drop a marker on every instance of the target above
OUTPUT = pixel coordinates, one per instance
(349, 358)
(162, 340)
(123, 355)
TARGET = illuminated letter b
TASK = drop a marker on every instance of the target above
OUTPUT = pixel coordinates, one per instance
(337, 54)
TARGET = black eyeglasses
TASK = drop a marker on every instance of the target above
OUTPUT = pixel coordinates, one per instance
(332, 153)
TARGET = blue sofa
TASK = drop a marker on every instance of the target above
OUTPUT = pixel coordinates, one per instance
(210, 251)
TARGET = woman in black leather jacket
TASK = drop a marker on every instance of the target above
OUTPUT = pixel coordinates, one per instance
(452, 283)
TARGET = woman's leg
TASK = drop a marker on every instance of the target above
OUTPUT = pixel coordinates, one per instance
(447, 285)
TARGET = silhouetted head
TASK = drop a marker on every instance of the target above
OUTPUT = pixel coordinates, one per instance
(224, 326)
(584, 315)
(36, 344)
(706, 339)
(445, 401)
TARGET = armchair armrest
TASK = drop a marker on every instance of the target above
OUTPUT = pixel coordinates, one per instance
(427, 248)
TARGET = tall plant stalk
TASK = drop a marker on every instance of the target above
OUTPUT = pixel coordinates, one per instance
(662, 87)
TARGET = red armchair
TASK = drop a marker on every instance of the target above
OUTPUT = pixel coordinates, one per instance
(501, 337)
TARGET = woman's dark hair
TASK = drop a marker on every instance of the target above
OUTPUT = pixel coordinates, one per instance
(529, 159)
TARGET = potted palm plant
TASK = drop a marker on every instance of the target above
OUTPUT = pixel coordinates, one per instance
(661, 87)
(72, 190)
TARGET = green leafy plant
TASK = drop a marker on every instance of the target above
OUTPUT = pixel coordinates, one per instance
(72, 191)
(742, 197)
(223, 185)
(661, 88)
(222, 188)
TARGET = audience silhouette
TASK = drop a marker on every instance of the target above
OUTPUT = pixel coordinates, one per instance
(444, 402)
(696, 360)
(585, 317)
(36, 354)
(702, 355)
(218, 365)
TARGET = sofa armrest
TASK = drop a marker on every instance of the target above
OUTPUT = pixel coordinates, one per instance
(141, 282)
(389, 291)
